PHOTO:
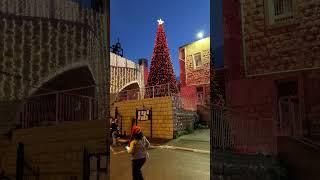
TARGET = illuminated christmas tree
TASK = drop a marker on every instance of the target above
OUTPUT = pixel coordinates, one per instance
(161, 70)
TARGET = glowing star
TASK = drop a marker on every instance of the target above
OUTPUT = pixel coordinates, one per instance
(160, 21)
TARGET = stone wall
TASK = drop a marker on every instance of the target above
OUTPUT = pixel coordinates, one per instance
(124, 72)
(200, 75)
(69, 10)
(270, 49)
(56, 150)
(184, 120)
(35, 49)
(291, 46)
(162, 116)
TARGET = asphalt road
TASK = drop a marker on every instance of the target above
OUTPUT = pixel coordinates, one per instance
(164, 164)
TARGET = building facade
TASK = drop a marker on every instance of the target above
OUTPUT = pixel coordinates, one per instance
(272, 62)
(194, 59)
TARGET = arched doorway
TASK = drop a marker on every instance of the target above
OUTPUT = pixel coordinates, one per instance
(69, 96)
(130, 91)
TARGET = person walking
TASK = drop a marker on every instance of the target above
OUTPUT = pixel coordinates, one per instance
(114, 132)
(138, 150)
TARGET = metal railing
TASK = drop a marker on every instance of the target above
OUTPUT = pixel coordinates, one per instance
(283, 10)
(241, 133)
(57, 107)
(147, 92)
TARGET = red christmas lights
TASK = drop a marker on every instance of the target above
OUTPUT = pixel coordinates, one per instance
(161, 70)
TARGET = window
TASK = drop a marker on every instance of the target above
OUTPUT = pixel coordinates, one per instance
(182, 54)
(197, 60)
(280, 11)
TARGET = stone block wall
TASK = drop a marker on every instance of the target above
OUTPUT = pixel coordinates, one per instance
(189, 97)
(274, 48)
(257, 97)
(184, 119)
(56, 150)
(36, 49)
(270, 49)
(162, 116)
(200, 75)
(124, 72)
(69, 10)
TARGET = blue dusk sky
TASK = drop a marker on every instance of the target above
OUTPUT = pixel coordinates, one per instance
(135, 24)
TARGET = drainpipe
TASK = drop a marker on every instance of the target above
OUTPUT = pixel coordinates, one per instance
(243, 38)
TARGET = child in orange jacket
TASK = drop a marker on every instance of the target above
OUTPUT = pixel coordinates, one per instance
(138, 150)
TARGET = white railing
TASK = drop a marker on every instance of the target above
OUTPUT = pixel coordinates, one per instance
(147, 92)
(57, 107)
(241, 133)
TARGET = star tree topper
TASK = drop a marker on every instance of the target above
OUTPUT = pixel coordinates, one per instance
(160, 21)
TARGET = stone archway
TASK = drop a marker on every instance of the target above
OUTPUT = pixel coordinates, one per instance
(130, 86)
(130, 91)
(69, 96)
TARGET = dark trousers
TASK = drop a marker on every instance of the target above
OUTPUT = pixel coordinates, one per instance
(136, 168)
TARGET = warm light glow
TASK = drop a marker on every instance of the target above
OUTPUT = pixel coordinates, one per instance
(200, 35)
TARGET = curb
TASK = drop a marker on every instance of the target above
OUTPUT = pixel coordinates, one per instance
(180, 148)
(159, 146)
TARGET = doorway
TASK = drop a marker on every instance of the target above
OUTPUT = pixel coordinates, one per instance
(289, 112)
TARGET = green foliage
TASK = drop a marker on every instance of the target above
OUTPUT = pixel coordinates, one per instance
(188, 130)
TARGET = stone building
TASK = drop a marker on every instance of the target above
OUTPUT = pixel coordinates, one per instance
(194, 59)
(52, 72)
(271, 56)
(126, 75)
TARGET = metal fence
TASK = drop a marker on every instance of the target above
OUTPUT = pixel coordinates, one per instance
(241, 133)
(57, 107)
(147, 92)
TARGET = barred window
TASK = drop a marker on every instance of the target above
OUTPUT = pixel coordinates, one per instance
(280, 11)
(197, 62)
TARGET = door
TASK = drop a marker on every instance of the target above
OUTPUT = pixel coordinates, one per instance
(289, 123)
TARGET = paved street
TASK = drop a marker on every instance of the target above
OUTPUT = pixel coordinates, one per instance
(166, 163)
